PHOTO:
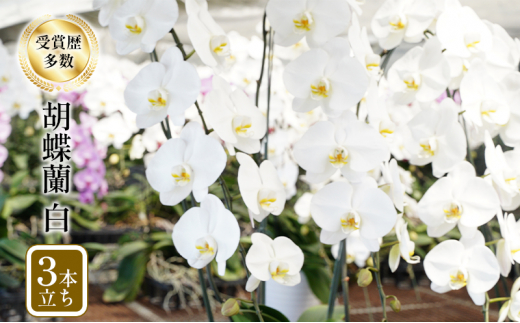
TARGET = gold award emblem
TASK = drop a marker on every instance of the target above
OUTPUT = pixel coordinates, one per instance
(58, 54)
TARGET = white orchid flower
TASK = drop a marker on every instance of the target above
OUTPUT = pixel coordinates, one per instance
(483, 98)
(437, 137)
(398, 20)
(302, 207)
(508, 248)
(106, 8)
(112, 130)
(141, 23)
(504, 171)
(510, 132)
(103, 100)
(356, 251)
(288, 174)
(137, 150)
(351, 146)
(190, 163)
(208, 39)
(465, 37)
(378, 113)
(462, 199)
(341, 208)
(358, 38)
(168, 87)
(316, 20)
(234, 117)
(261, 189)
(511, 308)
(453, 264)
(205, 233)
(405, 248)
(504, 56)
(462, 33)
(279, 259)
(326, 77)
(422, 74)
(392, 184)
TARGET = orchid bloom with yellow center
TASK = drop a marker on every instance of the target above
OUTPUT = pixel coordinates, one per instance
(279, 259)
(262, 190)
(321, 89)
(303, 22)
(139, 24)
(339, 157)
(205, 233)
(182, 174)
(452, 265)
(460, 199)
(453, 212)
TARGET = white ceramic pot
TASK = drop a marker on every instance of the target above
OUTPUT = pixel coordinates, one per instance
(291, 301)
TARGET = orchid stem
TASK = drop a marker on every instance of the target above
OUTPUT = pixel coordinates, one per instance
(261, 287)
(489, 243)
(344, 280)
(259, 81)
(181, 48)
(269, 77)
(499, 299)
(336, 277)
(368, 304)
(178, 43)
(389, 244)
(375, 258)
(386, 59)
(414, 282)
(485, 309)
(212, 283)
(205, 297)
(257, 308)
(190, 54)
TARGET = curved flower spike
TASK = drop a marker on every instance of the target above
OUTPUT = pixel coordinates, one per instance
(452, 264)
(261, 189)
(141, 23)
(168, 87)
(462, 199)
(341, 208)
(207, 232)
(190, 163)
(317, 20)
(279, 259)
(405, 248)
(236, 120)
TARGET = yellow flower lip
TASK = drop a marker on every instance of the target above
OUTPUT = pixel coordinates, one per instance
(206, 249)
(303, 23)
(339, 157)
(453, 212)
(135, 29)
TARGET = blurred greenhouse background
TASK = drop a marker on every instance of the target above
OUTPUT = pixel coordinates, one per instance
(126, 226)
